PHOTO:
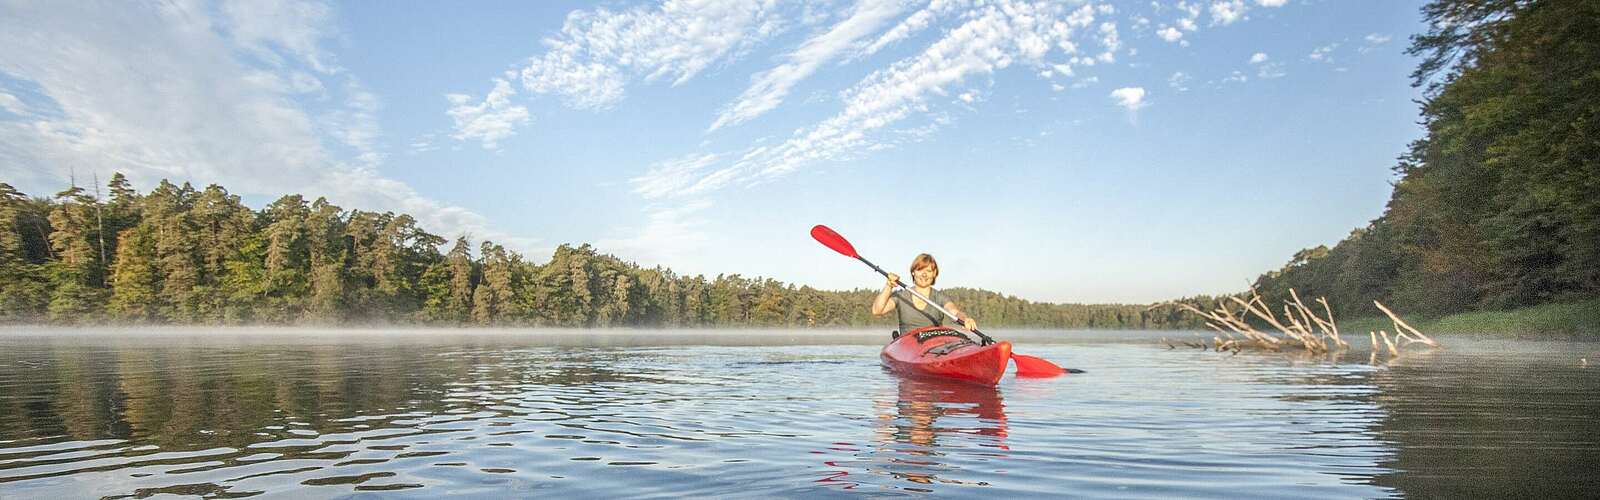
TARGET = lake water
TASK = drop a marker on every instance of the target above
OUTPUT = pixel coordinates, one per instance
(309, 414)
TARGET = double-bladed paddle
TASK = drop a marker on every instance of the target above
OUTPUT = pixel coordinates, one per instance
(1027, 366)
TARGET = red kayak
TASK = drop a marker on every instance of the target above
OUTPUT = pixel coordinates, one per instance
(938, 351)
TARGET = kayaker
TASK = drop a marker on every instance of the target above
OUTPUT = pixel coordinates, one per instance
(913, 312)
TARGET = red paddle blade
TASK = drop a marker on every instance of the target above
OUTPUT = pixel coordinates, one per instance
(832, 240)
(1030, 366)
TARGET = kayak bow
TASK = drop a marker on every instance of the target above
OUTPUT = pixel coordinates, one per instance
(939, 351)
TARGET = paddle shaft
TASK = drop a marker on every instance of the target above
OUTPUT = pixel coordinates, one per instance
(902, 285)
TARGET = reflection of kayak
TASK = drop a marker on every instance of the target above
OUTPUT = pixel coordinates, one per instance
(922, 401)
(939, 351)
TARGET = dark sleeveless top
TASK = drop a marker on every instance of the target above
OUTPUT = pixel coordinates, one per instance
(912, 318)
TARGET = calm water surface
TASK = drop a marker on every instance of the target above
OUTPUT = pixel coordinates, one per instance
(136, 414)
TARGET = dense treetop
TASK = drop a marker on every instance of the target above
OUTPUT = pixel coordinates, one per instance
(177, 255)
(1499, 205)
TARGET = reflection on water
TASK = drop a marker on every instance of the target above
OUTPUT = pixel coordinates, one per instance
(412, 416)
(926, 411)
(1465, 421)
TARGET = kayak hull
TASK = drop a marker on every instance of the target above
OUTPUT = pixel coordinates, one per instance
(936, 352)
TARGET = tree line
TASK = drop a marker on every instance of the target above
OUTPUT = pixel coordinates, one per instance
(178, 255)
(1498, 206)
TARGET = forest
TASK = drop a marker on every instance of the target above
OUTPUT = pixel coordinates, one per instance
(1498, 205)
(180, 255)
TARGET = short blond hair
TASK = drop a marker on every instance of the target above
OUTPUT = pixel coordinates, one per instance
(925, 260)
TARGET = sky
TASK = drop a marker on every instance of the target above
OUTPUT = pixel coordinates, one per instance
(1061, 151)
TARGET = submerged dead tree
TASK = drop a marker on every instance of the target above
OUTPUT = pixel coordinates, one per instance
(1300, 327)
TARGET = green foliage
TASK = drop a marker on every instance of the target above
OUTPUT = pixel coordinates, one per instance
(181, 256)
(1499, 205)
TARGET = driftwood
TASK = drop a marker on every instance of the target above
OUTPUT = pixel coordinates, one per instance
(1299, 328)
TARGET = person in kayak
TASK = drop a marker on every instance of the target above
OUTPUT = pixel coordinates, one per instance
(913, 312)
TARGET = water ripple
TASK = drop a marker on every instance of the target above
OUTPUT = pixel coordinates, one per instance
(498, 418)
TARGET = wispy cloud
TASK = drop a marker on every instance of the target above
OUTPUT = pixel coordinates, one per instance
(489, 121)
(178, 90)
(597, 51)
(1324, 53)
(12, 104)
(668, 177)
(1373, 41)
(915, 23)
(769, 87)
(1265, 68)
(992, 37)
(1179, 81)
(672, 232)
(273, 30)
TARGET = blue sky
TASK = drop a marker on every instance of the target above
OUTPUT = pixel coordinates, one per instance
(1058, 151)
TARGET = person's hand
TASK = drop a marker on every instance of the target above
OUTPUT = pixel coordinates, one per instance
(893, 278)
(970, 323)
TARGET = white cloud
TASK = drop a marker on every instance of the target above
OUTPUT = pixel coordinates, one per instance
(11, 104)
(1227, 11)
(768, 88)
(1271, 3)
(672, 233)
(671, 176)
(597, 51)
(1082, 83)
(356, 123)
(1324, 53)
(1236, 77)
(1110, 41)
(1179, 81)
(1131, 98)
(304, 83)
(268, 30)
(489, 121)
(1373, 41)
(423, 144)
(1169, 34)
(992, 37)
(1269, 71)
(914, 23)
(1258, 58)
(165, 90)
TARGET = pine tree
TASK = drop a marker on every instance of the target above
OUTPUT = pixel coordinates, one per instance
(458, 308)
(494, 301)
(76, 277)
(134, 278)
(22, 284)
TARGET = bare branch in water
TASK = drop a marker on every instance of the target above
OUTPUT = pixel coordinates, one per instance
(1398, 325)
(1300, 326)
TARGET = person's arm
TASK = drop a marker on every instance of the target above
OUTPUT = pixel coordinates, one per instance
(882, 305)
(967, 321)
